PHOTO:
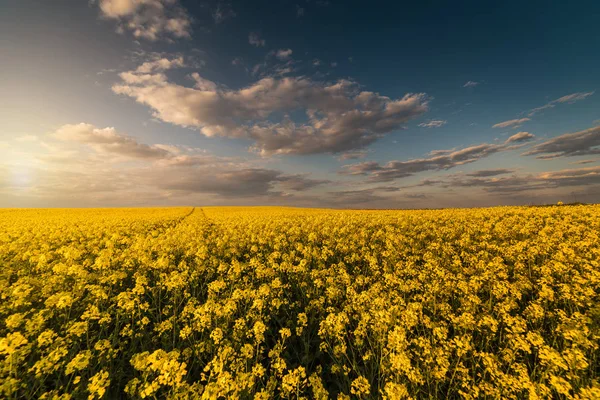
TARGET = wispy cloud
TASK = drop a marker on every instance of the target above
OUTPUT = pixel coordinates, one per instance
(580, 143)
(588, 161)
(490, 172)
(438, 160)
(255, 40)
(434, 123)
(222, 12)
(352, 155)
(571, 98)
(513, 123)
(471, 84)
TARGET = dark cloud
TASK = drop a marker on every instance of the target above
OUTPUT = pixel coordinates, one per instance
(490, 172)
(438, 160)
(580, 143)
(228, 182)
(299, 182)
(508, 185)
(581, 162)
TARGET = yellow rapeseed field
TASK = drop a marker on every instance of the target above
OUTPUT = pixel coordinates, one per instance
(262, 303)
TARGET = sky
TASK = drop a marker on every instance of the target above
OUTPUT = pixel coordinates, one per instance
(312, 103)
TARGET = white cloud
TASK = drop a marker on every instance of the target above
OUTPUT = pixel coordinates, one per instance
(160, 64)
(148, 19)
(434, 123)
(109, 141)
(255, 40)
(471, 84)
(520, 137)
(513, 123)
(339, 116)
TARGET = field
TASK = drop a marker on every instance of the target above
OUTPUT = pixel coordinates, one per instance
(294, 303)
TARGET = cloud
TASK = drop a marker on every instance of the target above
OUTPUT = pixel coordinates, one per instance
(340, 117)
(299, 11)
(545, 182)
(283, 54)
(109, 141)
(589, 161)
(80, 164)
(229, 183)
(513, 123)
(364, 197)
(580, 143)
(571, 98)
(255, 40)
(471, 84)
(159, 64)
(438, 160)
(352, 155)
(434, 123)
(299, 182)
(573, 177)
(490, 172)
(520, 137)
(222, 12)
(232, 181)
(148, 19)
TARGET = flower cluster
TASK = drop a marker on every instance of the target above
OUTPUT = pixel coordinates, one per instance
(293, 303)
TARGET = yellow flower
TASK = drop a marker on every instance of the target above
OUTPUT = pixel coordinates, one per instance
(360, 386)
(98, 385)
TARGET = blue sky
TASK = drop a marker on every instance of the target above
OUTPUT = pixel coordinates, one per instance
(307, 103)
